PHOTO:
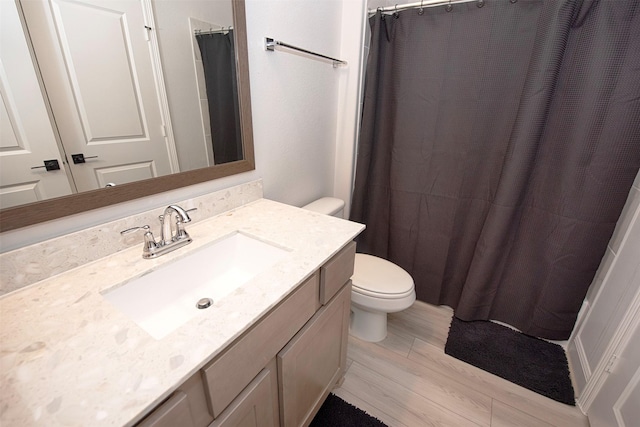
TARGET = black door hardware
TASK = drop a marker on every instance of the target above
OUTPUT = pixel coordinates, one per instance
(80, 158)
(50, 165)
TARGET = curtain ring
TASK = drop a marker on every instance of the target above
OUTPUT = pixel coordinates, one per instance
(420, 9)
(449, 7)
(381, 10)
(480, 3)
(513, 1)
(395, 12)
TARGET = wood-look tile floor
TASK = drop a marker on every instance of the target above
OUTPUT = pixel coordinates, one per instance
(408, 380)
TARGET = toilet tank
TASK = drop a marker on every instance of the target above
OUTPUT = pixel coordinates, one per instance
(327, 205)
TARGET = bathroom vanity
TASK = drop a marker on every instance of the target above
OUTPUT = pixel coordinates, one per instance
(281, 370)
(266, 354)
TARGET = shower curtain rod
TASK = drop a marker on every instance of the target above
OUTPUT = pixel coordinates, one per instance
(212, 31)
(422, 4)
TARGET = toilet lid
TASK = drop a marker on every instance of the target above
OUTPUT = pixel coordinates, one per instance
(373, 274)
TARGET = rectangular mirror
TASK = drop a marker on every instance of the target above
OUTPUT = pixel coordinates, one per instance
(113, 122)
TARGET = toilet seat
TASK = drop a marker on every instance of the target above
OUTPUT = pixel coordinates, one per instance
(379, 278)
(369, 293)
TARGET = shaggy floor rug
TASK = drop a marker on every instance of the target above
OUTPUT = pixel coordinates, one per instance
(530, 362)
(335, 412)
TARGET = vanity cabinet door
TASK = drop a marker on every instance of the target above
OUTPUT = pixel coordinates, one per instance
(313, 361)
(173, 412)
(187, 407)
(257, 405)
(336, 272)
(229, 374)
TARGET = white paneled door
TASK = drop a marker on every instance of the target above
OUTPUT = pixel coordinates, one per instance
(618, 400)
(27, 139)
(95, 61)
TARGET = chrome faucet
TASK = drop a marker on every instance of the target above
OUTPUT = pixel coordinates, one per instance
(171, 237)
(168, 234)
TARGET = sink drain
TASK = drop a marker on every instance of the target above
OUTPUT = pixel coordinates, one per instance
(204, 303)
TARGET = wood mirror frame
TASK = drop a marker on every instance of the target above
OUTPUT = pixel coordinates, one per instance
(47, 210)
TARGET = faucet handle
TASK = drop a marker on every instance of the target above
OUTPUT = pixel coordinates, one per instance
(181, 233)
(149, 241)
(132, 229)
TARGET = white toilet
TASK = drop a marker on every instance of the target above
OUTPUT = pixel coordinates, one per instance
(379, 286)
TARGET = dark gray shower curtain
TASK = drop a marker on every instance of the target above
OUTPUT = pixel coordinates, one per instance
(218, 60)
(498, 146)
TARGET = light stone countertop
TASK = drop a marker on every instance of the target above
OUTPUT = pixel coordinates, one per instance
(69, 358)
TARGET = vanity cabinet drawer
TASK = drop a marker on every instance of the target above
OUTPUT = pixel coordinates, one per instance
(336, 272)
(313, 361)
(257, 405)
(186, 407)
(229, 374)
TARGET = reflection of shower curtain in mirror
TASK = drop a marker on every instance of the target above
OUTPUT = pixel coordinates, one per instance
(218, 60)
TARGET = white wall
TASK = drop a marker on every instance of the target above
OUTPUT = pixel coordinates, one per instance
(296, 99)
(296, 102)
(354, 24)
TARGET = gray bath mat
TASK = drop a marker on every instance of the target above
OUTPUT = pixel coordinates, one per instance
(530, 362)
(335, 412)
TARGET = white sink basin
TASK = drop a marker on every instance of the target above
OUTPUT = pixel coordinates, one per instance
(166, 298)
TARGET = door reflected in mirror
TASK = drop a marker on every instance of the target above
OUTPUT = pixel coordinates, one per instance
(135, 90)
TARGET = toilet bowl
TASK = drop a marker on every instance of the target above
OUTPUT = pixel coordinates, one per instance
(378, 286)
